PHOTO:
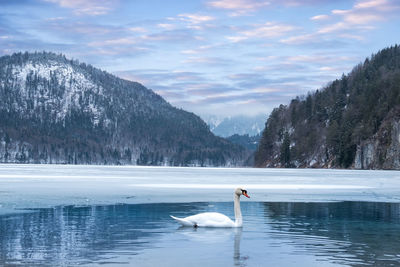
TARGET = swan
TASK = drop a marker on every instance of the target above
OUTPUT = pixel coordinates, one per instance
(215, 219)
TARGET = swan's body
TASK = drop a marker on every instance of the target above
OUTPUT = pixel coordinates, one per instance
(215, 219)
(207, 219)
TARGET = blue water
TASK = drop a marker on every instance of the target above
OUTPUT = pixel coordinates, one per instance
(274, 234)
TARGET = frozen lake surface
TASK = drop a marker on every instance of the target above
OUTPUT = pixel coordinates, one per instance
(57, 215)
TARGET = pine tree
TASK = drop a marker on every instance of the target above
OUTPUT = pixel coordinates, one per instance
(285, 151)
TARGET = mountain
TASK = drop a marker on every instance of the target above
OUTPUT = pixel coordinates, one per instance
(241, 125)
(56, 110)
(354, 122)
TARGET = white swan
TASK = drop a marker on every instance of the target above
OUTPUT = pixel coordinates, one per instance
(215, 219)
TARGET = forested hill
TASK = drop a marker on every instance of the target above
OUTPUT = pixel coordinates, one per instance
(55, 110)
(354, 122)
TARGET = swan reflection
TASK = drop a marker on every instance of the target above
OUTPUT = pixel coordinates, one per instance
(218, 237)
(238, 259)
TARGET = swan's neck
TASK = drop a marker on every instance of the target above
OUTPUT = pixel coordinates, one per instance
(238, 213)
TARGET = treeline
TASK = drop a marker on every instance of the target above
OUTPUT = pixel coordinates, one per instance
(329, 127)
(249, 142)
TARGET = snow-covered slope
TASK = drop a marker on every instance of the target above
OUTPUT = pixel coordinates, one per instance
(74, 83)
(61, 111)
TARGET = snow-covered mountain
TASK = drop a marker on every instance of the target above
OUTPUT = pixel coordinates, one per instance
(241, 125)
(55, 110)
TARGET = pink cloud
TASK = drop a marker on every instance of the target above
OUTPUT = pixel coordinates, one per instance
(320, 17)
(267, 30)
(362, 14)
(300, 39)
(87, 7)
(238, 7)
(195, 18)
(370, 4)
(238, 4)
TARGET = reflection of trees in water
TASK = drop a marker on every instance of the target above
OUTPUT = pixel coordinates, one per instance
(359, 233)
(69, 235)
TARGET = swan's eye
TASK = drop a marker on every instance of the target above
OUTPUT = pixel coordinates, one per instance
(244, 193)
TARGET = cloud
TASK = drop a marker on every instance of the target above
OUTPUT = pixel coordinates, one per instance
(87, 7)
(323, 38)
(238, 4)
(350, 24)
(106, 40)
(244, 76)
(300, 39)
(369, 4)
(204, 89)
(76, 29)
(166, 26)
(244, 7)
(190, 21)
(352, 36)
(319, 58)
(178, 35)
(363, 16)
(197, 92)
(329, 69)
(238, 7)
(266, 30)
(160, 77)
(190, 52)
(137, 29)
(113, 42)
(209, 48)
(320, 17)
(226, 95)
(193, 21)
(195, 18)
(296, 3)
(24, 42)
(209, 61)
(97, 34)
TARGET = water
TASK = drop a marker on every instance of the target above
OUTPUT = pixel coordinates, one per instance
(274, 234)
(119, 216)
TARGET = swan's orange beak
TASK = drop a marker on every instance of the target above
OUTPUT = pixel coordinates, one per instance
(246, 195)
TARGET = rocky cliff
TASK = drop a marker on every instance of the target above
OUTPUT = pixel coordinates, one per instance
(382, 150)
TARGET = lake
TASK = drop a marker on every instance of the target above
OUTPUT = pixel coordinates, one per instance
(53, 215)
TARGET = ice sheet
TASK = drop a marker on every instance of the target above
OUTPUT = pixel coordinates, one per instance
(37, 186)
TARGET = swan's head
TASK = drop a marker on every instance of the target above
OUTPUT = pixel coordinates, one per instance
(240, 191)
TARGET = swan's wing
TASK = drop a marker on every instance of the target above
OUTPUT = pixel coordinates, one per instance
(183, 221)
(206, 219)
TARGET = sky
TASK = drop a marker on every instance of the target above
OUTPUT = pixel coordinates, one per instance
(210, 57)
